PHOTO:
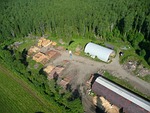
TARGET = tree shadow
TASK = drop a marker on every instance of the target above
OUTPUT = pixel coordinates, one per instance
(120, 25)
(99, 110)
(68, 87)
(121, 110)
(41, 72)
(24, 57)
(39, 112)
(99, 107)
(75, 93)
(55, 76)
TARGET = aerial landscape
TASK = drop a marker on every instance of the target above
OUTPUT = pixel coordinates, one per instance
(75, 56)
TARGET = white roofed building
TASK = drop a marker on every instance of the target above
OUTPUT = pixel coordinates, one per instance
(98, 51)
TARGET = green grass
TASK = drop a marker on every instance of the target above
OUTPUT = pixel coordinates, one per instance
(130, 54)
(78, 40)
(146, 78)
(17, 96)
(125, 84)
(27, 43)
(117, 80)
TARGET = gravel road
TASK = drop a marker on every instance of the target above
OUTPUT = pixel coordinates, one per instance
(85, 67)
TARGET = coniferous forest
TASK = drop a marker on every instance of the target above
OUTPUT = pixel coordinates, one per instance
(128, 19)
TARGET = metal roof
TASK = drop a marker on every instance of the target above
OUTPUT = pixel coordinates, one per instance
(96, 50)
(124, 93)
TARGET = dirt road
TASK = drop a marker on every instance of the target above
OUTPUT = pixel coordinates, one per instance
(84, 67)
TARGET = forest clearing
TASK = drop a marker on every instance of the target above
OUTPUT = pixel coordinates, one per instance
(46, 55)
(74, 72)
(78, 76)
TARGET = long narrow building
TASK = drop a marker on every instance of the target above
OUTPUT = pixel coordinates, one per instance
(119, 96)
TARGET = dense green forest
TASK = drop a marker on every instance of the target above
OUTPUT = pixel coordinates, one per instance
(126, 19)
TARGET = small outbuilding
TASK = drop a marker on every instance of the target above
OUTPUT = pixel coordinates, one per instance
(100, 52)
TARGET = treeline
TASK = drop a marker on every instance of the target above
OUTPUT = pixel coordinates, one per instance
(128, 19)
(17, 62)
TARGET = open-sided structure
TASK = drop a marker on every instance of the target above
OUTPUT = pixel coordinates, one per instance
(98, 51)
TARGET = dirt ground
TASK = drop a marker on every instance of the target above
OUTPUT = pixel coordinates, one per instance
(81, 68)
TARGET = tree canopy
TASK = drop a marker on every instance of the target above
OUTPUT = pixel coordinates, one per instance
(131, 18)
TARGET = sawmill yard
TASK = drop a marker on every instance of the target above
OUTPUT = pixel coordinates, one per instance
(82, 67)
(76, 70)
(72, 73)
(49, 49)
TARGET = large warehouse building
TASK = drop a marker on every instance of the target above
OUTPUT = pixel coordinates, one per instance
(121, 97)
(100, 52)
